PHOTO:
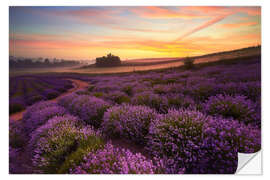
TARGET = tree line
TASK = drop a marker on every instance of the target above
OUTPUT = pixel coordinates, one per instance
(29, 63)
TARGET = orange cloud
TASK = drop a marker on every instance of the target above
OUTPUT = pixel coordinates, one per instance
(47, 44)
(237, 25)
(253, 11)
(209, 10)
(142, 30)
(223, 10)
(163, 13)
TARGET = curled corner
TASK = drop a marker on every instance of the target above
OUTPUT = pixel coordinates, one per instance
(249, 163)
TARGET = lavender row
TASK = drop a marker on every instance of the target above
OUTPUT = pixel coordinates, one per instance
(185, 139)
(61, 143)
(30, 90)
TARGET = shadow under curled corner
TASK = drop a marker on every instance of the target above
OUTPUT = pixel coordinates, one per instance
(249, 164)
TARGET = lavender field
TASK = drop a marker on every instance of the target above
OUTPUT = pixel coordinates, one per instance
(170, 121)
(27, 90)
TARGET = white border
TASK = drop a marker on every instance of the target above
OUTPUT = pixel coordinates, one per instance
(4, 74)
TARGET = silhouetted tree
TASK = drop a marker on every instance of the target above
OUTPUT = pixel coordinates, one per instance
(46, 61)
(29, 63)
(189, 63)
(108, 61)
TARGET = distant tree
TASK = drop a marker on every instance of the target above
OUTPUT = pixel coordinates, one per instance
(30, 63)
(108, 61)
(54, 61)
(46, 61)
(189, 63)
(12, 63)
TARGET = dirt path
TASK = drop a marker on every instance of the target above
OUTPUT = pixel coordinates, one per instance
(78, 84)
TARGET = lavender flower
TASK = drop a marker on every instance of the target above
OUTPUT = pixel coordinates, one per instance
(198, 143)
(27, 90)
(16, 104)
(252, 90)
(88, 108)
(111, 160)
(65, 101)
(40, 117)
(13, 155)
(36, 107)
(55, 140)
(17, 136)
(131, 122)
(237, 107)
(117, 97)
(160, 103)
(178, 101)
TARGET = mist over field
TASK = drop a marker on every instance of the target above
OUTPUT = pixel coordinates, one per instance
(138, 64)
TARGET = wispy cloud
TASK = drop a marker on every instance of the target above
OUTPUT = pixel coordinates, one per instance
(202, 26)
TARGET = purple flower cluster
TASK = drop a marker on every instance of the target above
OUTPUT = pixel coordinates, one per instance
(55, 125)
(117, 97)
(107, 86)
(88, 108)
(36, 107)
(16, 104)
(131, 122)
(237, 107)
(27, 90)
(199, 143)
(39, 114)
(200, 91)
(65, 101)
(51, 143)
(252, 90)
(111, 160)
(13, 155)
(245, 138)
(161, 88)
(148, 98)
(178, 101)
(17, 136)
(51, 93)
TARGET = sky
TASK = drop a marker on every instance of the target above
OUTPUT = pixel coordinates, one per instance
(131, 32)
